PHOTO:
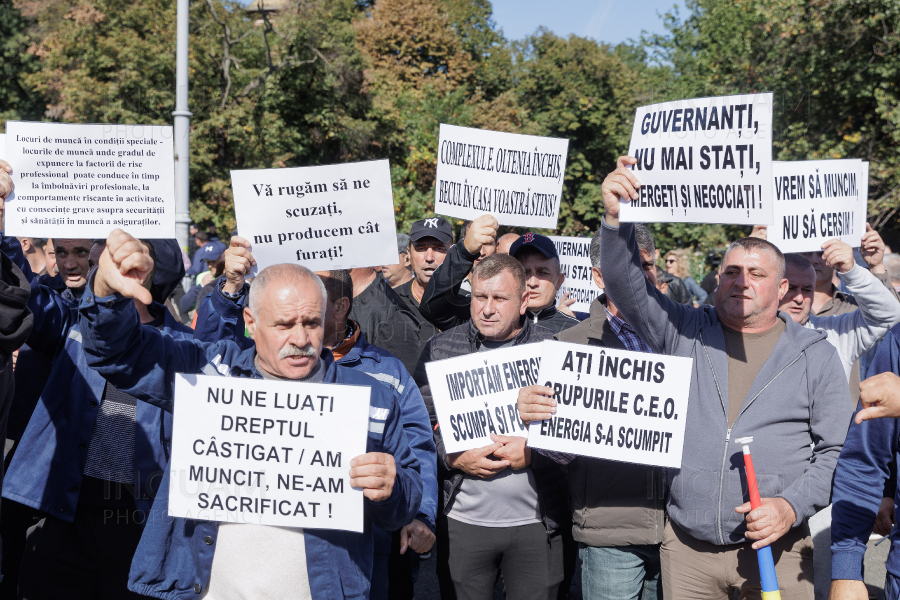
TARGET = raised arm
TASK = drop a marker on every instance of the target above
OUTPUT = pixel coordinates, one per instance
(855, 333)
(222, 318)
(137, 359)
(654, 317)
(441, 303)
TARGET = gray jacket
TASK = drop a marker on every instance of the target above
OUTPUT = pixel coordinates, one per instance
(798, 409)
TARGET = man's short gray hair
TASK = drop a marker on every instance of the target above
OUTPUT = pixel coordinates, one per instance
(285, 273)
(644, 241)
(752, 244)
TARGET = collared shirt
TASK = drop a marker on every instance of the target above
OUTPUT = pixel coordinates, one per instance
(632, 342)
(625, 333)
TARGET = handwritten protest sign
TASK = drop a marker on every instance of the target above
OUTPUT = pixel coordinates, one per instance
(267, 452)
(815, 201)
(706, 160)
(517, 178)
(325, 217)
(615, 404)
(86, 180)
(575, 262)
(475, 395)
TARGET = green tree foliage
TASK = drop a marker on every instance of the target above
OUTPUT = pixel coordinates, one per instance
(17, 99)
(325, 81)
(832, 65)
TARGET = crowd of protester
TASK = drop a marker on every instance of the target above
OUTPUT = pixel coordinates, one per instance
(786, 348)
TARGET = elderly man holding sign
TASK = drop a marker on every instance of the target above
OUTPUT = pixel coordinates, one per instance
(286, 322)
(756, 372)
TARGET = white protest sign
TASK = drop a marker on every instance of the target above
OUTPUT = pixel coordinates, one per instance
(614, 404)
(83, 181)
(517, 178)
(575, 262)
(2, 146)
(706, 160)
(815, 201)
(476, 394)
(325, 217)
(267, 452)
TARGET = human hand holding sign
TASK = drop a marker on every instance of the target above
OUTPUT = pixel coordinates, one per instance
(125, 267)
(238, 263)
(475, 462)
(880, 397)
(514, 450)
(621, 183)
(375, 473)
(536, 403)
(417, 536)
(480, 232)
(768, 522)
(838, 255)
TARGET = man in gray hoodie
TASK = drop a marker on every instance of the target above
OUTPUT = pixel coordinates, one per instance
(755, 373)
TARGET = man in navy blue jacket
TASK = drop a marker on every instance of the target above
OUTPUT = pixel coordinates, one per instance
(221, 317)
(868, 461)
(91, 457)
(179, 556)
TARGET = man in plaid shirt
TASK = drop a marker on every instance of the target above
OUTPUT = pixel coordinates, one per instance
(617, 508)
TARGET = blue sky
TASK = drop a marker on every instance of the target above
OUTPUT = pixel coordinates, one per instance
(610, 21)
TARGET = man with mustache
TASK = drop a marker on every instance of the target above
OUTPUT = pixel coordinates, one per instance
(286, 321)
(755, 372)
(220, 317)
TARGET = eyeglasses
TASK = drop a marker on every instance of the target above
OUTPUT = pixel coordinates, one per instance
(670, 260)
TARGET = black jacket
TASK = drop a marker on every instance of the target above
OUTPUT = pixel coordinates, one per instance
(387, 322)
(550, 477)
(15, 326)
(445, 305)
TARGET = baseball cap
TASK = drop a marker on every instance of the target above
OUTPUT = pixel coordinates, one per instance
(212, 250)
(436, 227)
(540, 243)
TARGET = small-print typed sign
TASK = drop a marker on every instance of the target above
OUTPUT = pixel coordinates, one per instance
(817, 200)
(83, 181)
(325, 217)
(267, 452)
(614, 404)
(705, 160)
(517, 178)
(476, 395)
(575, 262)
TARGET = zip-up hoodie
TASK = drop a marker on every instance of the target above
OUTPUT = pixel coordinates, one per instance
(797, 410)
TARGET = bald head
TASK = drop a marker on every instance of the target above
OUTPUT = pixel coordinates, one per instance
(505, 242)
(286, 320)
